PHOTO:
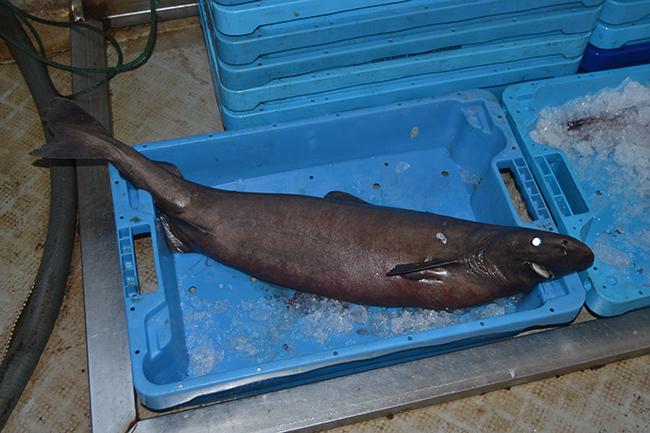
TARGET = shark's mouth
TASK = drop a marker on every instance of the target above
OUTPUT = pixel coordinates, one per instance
(542, 271)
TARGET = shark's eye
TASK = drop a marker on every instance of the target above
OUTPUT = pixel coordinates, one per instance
(536, 242)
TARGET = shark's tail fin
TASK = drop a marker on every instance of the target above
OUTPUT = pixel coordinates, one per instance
(76, 134)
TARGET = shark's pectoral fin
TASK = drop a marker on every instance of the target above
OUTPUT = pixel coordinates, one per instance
(428, 269)
(344, 196)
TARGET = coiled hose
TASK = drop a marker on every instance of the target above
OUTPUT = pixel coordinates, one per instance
(36, 320)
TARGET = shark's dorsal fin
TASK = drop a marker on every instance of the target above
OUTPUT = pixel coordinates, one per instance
(344, 196)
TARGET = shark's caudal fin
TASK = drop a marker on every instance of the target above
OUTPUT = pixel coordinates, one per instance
(76, 134)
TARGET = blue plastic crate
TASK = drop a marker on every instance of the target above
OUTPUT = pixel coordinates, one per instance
(533, 25)
(244, 18)
(609, 36)
(344, 26)
(235, 2)
(595, 59)
(491, 77)
(568, 46)
(624, 11)
(416, 155)
(611, 290)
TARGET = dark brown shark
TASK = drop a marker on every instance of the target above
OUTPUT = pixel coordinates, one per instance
(337, 246)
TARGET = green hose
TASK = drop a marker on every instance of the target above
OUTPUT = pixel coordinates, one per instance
(27, 49)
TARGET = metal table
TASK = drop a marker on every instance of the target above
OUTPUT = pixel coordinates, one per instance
(339, 401)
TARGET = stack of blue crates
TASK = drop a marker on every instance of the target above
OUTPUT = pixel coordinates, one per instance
(279, 60)
(621, 37)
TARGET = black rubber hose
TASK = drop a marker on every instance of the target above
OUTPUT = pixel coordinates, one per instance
(36, 321)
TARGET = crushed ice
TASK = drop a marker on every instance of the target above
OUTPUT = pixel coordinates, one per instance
(269, 327)
(606, 137)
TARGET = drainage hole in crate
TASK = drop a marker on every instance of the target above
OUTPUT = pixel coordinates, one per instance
(386, 164)
(482, 323)
(121, 217)
(116, 182)
(132, 308)
(551, 310)
(335, 353)
(640, 292)
(143, 249)
(409, 338)
(376, 186)
(137, 352)
(311, 177)
(445, 173)
(595, 268)
(192, 289)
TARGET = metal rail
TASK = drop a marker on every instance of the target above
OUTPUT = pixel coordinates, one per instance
(122, 13)
(112, 401)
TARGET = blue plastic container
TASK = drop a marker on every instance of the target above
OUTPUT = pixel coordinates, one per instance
(235, 2)
(493, 77)
(595, 59)
(487, 56)
(242, 19)
(393, 155)
(609, 36)
(415, 42)
(624, 11)
(344, 26)
(611, 290)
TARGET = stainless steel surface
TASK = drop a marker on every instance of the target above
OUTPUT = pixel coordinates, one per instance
(434, 380)
(112, 401)
(122, 13)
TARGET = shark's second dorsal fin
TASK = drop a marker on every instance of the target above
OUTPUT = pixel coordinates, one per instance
(344, 196)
